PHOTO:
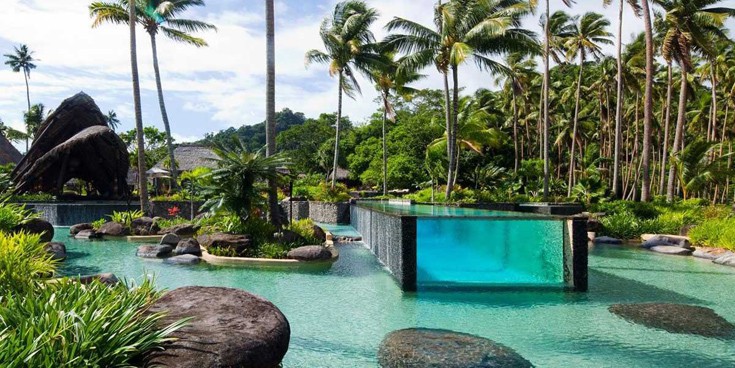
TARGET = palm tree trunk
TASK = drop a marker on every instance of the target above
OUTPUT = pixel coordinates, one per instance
(164, 114)
(337, 126)
(516, 162)
(678, 136)
(570, 184)
(647, 106)
(270, 107)
(667, 123)
(617, 177)
(547, 49)
(452, 142)
(448, 122)
(714, 103)
(385, 149)
(142, 180)
(28, 97)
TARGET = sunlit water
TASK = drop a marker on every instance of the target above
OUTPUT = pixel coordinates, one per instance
(339, 316)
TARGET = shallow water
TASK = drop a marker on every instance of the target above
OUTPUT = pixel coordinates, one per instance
(339, 316)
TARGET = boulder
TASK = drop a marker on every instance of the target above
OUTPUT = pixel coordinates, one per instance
(87, 234)
(676, 318)
(710, 253)
(57, 250)
(726, 260)
(320, 234)
(607, 240)
(75, 142)
(144, 226)
(105, 278)
(37, 226)
(170, 239)
(183, 230)
(310, 253)
(188, 246)
(430, 348)
(74, 230)
(239, 243)
(182, 259)
(154, 251)
(667, 240)
(289, 237)
(229, 328)
(113, 229)
(671, 250)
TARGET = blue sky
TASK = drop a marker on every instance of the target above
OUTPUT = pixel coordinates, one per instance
(207, 89)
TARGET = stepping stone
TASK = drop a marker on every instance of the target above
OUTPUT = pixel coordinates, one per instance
(672, 250)
(676, 318)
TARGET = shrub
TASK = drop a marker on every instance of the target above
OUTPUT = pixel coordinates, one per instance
(325, 193)
(164, 223)
(274, 250)
(98, 224)
(73, 325)
(623, 225)
(222, 252)
(715, 233)
(23, 261)
(12, 215)
(126, 218)
(305, 228)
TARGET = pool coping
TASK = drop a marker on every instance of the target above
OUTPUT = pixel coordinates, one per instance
(521, 215)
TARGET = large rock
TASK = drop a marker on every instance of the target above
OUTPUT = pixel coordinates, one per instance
(74, 230)
(671, 250)
(105, 278)
(39, 227)
(229, 328)
(182, 230)
(310, 253)
(240, 243)
(430, 348)
(676, 318)
(75, 142)
(144, 226)
(87, 234)
(186, 259)
(171, 239)
(666, 240)
(710, 253)
(154, 251)
(188, 246)
(726, 260)
(113, 229)
(319, 233)
(57, 250)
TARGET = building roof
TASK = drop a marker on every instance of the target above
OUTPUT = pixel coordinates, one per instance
(8, 153)
(342, 174)
(190, 157)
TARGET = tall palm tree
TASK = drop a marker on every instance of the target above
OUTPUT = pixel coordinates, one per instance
(152, 15)
(33, 119)
(470, 30)
(142, 180)
(389, 77)
(350, 48)
(589, 33)
(11, 134)
(647, 105)
(22, 61)
(270, 105)
(691, 26)
(112, 120)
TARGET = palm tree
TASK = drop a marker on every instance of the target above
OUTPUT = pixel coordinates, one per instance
(22, 61)
(390, 77)
(647, 105)
(589, 33)
(11, 134)
(691, 25)
(142, 180)
(152, 15)
(470, 29)
(112, 120)
(270, 105)
(697, 166)
(350, 47)
(33, 119)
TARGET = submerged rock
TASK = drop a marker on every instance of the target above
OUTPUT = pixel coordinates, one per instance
(57, 250)
(676, 318)
(430, 348)
(607, 240)
(87, 234)
(154, 251)
(711, 253)
(105, 278)
(230, 328)
(74, 230)
(113, 229)
(726, 260)
(38, 227)
(182, 259)
(668, 249)
(188, 246)
(310, 253)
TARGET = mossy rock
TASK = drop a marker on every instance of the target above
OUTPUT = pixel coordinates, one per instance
(676, 318)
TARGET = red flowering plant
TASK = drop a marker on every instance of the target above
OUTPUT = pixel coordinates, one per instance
(174, 211)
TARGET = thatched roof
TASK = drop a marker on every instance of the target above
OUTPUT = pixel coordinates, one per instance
(190, 157)
(342, 174)
(75, 142)
(8, 153)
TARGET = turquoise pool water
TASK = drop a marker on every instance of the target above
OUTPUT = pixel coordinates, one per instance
(339, 316)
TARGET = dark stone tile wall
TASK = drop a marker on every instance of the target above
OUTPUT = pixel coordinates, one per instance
(393, 241)
(68, 214)
(330, 213)
(300, 209)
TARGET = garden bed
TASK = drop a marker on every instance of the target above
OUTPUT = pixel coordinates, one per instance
(267, 262)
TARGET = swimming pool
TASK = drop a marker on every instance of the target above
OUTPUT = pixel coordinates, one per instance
(339, 316)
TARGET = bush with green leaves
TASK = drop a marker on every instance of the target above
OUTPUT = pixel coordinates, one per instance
(74, 325)
(274, 250)
(325, 193)
(305, 228)
(718, 233)
(12, 215)
(23, 263)
(126, 217)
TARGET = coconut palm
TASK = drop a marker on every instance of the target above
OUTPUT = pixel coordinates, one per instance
(33, 119)
(152, 15)
(112, 120)
(22, 61)
(691, 25)
(647, 104)
(350, 48)
(390, 77)
(11, 134)
(587, 36)
(142, 180)
(270, 105)
(697, 166)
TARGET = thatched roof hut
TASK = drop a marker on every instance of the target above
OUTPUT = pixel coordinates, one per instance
(190, 157)
(8, 153)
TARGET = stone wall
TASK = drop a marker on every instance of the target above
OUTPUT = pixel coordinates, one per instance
(300, 210)
(160, 208)
(393, 241)
(72, 213)
(329, 213)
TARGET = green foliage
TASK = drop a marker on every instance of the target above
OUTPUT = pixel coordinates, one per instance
(73, 325)
(274, 250)
(23, 261)
(126, 218)
(715, 233)
(254, 135)
(33, 197)
(325, 193)
(98, 224)
(305, 228)
(12, 215)
(222, 252)
(169, 222)
(260, 230)
(155, 146)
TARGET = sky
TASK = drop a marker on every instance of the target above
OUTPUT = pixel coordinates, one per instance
(212, 88)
